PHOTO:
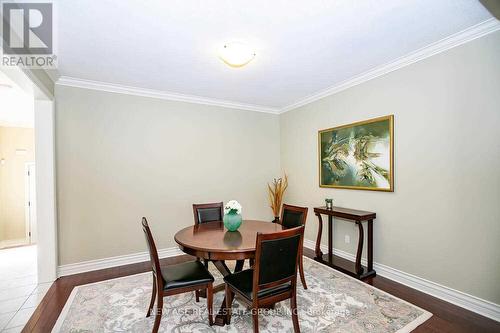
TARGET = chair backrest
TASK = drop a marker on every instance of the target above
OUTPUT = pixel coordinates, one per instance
(208, 212)
(153, 253)
(276, 258)
(293, 216)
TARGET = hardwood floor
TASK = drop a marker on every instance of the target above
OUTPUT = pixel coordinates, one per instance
(446, 317)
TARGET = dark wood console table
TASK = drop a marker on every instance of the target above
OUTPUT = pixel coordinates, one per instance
(354, 269)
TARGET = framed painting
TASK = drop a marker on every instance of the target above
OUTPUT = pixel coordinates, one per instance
(358, 156)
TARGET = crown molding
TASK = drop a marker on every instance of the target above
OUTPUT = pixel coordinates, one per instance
(462, 37)
(53, 74)
(171, 96)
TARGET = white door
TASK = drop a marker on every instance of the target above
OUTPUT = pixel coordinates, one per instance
(31, 204)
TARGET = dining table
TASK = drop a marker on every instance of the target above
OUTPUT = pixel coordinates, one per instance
(213, 242)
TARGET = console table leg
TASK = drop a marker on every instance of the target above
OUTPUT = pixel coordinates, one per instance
(319, 254)
(360, 247)
(330, 237)
(370, 245)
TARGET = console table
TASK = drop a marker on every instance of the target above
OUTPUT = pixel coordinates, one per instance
(354, 269)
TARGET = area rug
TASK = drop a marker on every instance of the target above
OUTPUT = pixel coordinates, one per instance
(333, 302)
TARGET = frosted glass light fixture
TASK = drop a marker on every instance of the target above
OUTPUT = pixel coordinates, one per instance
(236, 54)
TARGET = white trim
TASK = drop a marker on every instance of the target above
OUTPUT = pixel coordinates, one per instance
(171, 96)
(466, 301)
(27, 222)
(45, 179)
(462, 37)
(13, 242)
(93, 265)
(469, 302)
(53, 74)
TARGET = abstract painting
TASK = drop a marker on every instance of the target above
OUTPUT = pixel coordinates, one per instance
(358, 156)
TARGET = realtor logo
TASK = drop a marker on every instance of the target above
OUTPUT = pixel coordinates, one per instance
(28, 34)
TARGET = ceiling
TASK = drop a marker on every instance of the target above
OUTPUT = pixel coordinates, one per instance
(302, 46)
(16, 106)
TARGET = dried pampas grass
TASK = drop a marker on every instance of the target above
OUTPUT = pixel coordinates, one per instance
(276, 192)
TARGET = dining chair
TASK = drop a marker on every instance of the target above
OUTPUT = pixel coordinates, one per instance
(175, 279)
(208, 212)
(261, 286)
(203, 213)
(291, 217)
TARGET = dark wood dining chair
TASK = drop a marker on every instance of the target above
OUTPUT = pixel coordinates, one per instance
(175, 279)
(208, 212)
(291, 217)
(203, 213)
(272, 279)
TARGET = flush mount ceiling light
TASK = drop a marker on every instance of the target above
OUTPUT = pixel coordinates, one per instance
(236, 54)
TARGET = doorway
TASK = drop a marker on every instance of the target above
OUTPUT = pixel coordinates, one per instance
(17, 188)
(20, 287)
(46, 238)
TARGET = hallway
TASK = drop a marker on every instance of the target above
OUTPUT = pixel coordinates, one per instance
(19, 292)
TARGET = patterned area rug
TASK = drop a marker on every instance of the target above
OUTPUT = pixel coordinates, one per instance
(333, 302)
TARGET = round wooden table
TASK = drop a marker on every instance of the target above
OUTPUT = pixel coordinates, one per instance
(213, 242)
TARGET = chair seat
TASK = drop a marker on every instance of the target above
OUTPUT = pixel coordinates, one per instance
(243, 281)
(184, 275)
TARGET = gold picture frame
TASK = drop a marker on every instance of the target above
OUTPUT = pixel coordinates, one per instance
(358, 156)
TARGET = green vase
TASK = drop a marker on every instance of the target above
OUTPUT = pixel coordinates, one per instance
(232, 221)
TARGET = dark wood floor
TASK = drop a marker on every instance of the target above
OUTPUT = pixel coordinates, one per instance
(446, 317)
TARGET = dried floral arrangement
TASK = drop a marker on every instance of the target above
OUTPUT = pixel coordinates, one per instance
(276, 192)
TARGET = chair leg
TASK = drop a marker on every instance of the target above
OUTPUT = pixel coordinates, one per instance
(301, 271)
(255, 319)
(210, 301)
(153, 298)
(201, 293)
(295, 316)
(229, 304)
(159, 312)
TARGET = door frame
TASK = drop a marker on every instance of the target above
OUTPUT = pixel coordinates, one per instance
(45, 190)
(27, 197)
(28, 200)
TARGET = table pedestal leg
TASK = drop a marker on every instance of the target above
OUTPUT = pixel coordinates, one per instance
(220, 318)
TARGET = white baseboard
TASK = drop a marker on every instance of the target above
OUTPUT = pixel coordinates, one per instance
(469, 302)
(93, 265)
(13, 242)
(466, 301)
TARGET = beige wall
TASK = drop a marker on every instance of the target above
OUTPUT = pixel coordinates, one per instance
(122, 157)
(12, 180)
(442, 223)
